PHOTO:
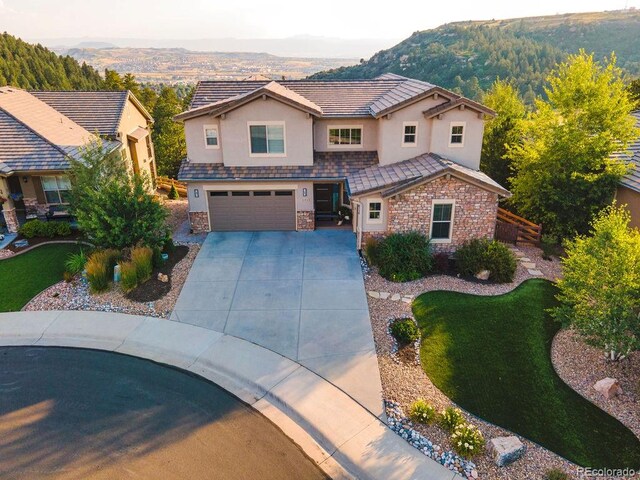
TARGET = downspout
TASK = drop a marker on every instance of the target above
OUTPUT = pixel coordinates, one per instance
(357, 223)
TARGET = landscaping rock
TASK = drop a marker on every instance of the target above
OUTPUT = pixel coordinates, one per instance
(395, 297)
(609, 387)
(374, 294)
(384, 295)
(506, 450)
(483, 275)
(528, 265)
(163, 278)
(407, 299)
(535, 273)
(524, 259)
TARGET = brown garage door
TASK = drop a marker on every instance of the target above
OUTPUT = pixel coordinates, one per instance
(256, 210)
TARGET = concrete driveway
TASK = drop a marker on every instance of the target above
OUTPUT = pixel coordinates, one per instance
(300, 294)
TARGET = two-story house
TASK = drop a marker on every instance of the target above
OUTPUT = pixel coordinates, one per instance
(39, 131)
(286, 155)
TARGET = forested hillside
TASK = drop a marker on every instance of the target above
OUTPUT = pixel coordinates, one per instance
(34, 67)
(469, 56)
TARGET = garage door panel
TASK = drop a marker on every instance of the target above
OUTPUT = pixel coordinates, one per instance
(249, 212)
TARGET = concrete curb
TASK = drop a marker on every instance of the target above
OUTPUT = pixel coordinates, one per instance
(343, 438)
(52, 242)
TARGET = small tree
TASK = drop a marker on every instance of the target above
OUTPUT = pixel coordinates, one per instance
(600, 288)
(564, 170)
(501, 131)
(113, 207)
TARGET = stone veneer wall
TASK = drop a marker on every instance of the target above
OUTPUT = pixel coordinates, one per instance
(199, 222)
(11, 219)
(305, 220)
(474, 215)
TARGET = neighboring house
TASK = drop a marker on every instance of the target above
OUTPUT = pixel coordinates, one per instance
(629, 189)
(40, 130)
(286, 155)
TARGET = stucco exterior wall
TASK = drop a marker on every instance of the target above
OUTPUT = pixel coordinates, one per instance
(467, 155)
(234, 134)
(131, 119)
(368, 225)
(391, 132)
(369, 133)
(632, 199)
(196, 147)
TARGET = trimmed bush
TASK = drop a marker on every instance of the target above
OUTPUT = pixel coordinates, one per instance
(39, 228)
(168, 246)
(483, 254)
(157, 257)
(555, 474)
(99, 269)
(173, 193)
(402, 257)
(128, 276)
(75, 262)
(142, 258)
(450, 418)
(467, 440)
(422, 412)
(404, 330)
(441, 262)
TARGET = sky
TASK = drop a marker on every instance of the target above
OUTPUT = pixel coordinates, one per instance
(192, 19)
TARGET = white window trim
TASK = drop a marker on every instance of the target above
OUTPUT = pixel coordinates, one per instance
(374, 221)
(343, 147)
(267, 123)
(204, 132)
(57, 190)
(464, 133)
(443, 201)
(404, 126)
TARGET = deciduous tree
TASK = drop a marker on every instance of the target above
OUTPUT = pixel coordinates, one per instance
(168, 135)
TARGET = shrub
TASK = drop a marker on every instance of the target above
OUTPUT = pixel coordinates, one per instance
(128, 276)
(67, 276)
(467, 440)
(404, 330)
(441, 262)
(549, 246)
(422, 412)
(168, 246)
(157, 257)
(371, 249)
(75, 262)
(38, 228)
(483, 254)
(402, 257)
(450, 418)
(99, 268)
(555, 474)
(142, 258)
(173, 193)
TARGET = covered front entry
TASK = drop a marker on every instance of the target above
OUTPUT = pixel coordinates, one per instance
(252, 210)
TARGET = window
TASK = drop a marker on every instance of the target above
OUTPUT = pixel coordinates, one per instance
(149, 150)
(345, 136)
(56, 188)
(374, 214)
(441, 221)
(267, 139)
(410, 134)
(457, 135)
(211, 136)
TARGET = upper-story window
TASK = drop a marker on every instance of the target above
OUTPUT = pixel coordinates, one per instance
(211, 136)
(409, 134)
(56, 188)
(456, 139)
(267, 139)
(345, 136)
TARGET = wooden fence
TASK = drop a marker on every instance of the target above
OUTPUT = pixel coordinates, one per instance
(164, 183)
(517, 230)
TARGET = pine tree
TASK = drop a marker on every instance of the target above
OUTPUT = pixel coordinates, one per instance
(168, 135)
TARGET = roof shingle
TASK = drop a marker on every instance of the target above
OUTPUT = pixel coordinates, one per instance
(632, 179)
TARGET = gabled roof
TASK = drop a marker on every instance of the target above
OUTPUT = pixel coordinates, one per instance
(397, 177)
(99, 112)
(271, 89)
(632, 179)
(334, 98)
(326, 166)
(34, 136)
(457, 102)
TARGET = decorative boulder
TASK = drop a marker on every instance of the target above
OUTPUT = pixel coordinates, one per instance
(506, 450)
(163, 278)
(609, 387)
(483, 275)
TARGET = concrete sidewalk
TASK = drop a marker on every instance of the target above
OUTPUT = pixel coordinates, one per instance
(341, 436)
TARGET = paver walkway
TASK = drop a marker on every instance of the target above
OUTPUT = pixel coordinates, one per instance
(300, 294)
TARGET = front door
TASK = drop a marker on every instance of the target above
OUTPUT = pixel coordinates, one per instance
(15, 187)
(326, 196)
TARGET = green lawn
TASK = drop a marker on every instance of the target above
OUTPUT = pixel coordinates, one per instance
(24, 276)
(491, 355)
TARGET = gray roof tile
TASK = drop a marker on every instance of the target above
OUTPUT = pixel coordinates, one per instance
(632, 180)
(326, 166)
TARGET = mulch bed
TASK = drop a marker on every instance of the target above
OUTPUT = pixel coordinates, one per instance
(75, 236)
(153, 289)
